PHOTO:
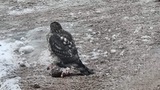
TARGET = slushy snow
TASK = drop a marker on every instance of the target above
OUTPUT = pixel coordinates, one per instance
(8, 63)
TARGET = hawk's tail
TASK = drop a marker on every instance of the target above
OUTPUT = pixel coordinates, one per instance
(83, 69)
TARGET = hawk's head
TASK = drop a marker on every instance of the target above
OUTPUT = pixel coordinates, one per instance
(55, 27)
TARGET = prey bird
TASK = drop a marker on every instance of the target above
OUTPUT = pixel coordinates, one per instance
(62, 45)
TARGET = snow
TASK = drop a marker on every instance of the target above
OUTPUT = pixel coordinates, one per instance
(11, 84)
(26, 49)
(145, 1)
(146, 37)
(21, 10)
(45, 58)
(95, 55)
(6, 58)
(8, 63)
(11, 55)
(48, 4)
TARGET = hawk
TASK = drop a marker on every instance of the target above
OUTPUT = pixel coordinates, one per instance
(62, 45)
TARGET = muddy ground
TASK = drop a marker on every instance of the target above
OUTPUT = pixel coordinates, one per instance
(119, 39)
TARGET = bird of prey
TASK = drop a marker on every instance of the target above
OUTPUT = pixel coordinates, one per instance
(63, 46)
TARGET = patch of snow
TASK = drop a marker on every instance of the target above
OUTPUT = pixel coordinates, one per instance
(22, 0)
(8, 63)
(35, 45)
(22, 11)
(145, 1)
(11, 84)
(37, 32)
(23, 62)
(68, 3)
(19, 44)
(23, 38)
(146, 37)
(95, 55)
(84, 58)
(45, 58)
(50, 3)
(26, 49)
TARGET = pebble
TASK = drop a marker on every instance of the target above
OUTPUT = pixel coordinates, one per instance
(113, 50)
(22, 65)
(36, 86)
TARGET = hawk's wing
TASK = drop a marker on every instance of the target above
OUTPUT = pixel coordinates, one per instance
(62, 46)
